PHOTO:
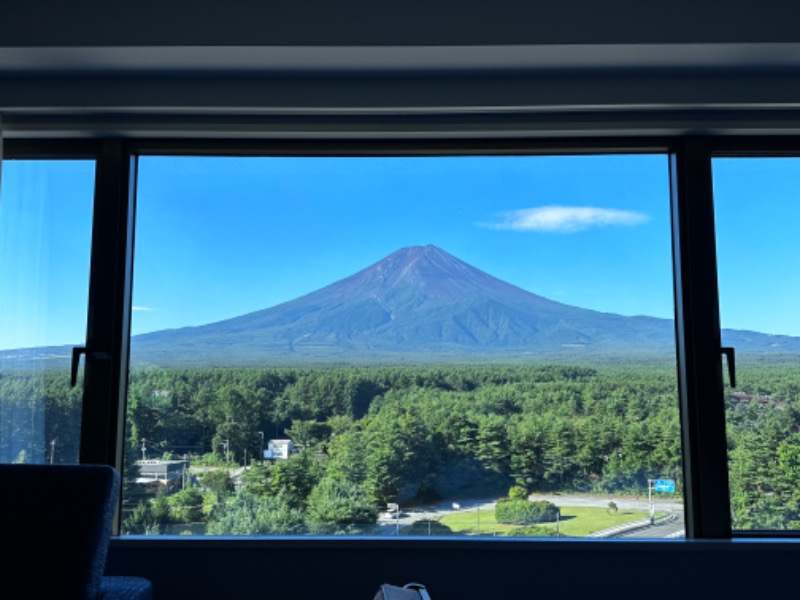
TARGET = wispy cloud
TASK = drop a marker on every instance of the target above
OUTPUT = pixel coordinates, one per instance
(142, 309)
(564, 219)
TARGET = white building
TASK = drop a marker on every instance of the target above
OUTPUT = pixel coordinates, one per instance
(280, 449)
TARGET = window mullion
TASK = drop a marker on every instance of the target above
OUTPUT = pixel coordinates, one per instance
(108, 314)
(707, 497)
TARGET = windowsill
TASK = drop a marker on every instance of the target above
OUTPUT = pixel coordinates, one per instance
(480, 544)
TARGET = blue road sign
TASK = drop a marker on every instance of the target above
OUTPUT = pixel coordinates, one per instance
(664, 485)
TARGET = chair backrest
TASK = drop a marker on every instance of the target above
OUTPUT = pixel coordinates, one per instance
(55, 524)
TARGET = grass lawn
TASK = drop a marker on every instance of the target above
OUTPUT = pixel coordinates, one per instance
(576, 521)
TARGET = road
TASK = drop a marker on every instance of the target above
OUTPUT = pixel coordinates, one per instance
(624, 502)
(674, 528)
(389, 524)
(670, 529)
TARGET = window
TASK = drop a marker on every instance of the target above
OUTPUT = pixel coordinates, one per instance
(45, 239)
(756, 206)
(228, 241)
(451, 345)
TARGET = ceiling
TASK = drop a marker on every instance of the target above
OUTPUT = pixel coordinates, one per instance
(372, 67)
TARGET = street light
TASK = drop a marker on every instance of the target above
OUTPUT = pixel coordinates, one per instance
(52, 450)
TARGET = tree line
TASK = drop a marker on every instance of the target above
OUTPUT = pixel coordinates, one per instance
(417, 434)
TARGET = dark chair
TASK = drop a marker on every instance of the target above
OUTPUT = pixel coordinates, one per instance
(56, 525)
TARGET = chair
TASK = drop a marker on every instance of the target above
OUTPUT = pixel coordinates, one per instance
(56, 525)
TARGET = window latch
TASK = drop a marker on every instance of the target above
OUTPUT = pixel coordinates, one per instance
(76, 359)
(730, 357)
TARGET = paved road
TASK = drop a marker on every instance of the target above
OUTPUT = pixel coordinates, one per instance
(674, 528)
(624, 502)
(670, 529)
(389, 524)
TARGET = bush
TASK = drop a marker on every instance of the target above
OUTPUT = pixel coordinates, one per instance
(523, 512)
(333, 505)
(186, 506)
(218, 482)
(243, 514)
(531, 531)
(517, 492)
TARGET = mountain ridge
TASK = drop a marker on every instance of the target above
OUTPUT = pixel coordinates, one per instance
(419, 304)
(417, 301)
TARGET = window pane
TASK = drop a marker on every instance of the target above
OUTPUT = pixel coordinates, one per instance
(45, 240)
(756, 203)
(403, 346)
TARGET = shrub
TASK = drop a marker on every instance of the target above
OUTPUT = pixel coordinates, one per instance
(523, 512)
(517, 492)
(186, 506)
(531, 531)
(335, 504)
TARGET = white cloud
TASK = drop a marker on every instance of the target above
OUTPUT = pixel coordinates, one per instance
(565, 219)
(142, 309)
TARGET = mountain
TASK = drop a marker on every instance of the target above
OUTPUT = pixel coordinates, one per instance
(418, 302)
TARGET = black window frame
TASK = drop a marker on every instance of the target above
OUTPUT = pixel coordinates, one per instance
(763, 146)
(699, 359)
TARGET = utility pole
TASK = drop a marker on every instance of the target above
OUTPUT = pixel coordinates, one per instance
(52, 450)
(144, 449)
(226, 445)
(393, 506)
(650, 501)
(261, 455)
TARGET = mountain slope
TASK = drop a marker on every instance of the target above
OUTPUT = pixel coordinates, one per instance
(417, 301)
(419, 304)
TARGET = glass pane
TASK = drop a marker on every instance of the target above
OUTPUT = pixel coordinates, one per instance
(45, 242)
(756, 203)
(437, 346)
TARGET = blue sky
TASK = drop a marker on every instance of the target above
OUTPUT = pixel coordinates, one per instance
(757, 204)
(220, 237)
(264, 231)
(45, 239)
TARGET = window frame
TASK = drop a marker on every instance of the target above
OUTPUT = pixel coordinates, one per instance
(767, 146)
(698, 357)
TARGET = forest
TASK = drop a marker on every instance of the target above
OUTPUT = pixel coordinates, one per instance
(412, 435)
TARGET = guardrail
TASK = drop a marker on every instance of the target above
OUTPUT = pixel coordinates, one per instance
(612, 531)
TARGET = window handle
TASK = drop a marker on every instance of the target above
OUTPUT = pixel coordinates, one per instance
(76, 359)
(730, 356)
